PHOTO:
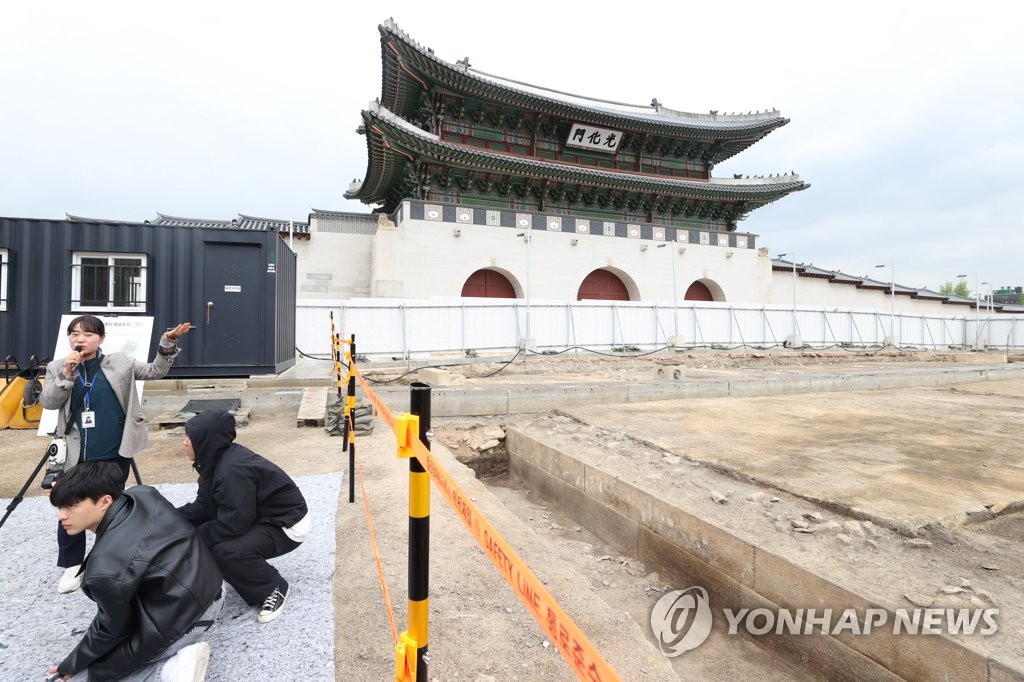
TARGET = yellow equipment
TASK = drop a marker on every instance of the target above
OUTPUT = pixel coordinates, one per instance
(19, 396)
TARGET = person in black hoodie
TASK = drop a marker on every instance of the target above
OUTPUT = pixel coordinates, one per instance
(247, 510)
(156, 587)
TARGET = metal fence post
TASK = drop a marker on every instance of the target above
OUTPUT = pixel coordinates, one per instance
(419, 533)
(350, 419)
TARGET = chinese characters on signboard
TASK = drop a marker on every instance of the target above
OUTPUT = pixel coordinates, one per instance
(596, 139)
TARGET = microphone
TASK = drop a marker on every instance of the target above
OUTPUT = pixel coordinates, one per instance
(78, 349)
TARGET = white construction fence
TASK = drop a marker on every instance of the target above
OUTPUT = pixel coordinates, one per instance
(401, 327)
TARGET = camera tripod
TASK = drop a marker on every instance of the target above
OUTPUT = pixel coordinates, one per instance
(35, 472)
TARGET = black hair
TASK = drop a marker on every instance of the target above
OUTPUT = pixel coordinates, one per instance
(87, 480)
(90, 323)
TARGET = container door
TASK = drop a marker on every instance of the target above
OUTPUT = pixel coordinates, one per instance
(231, 305)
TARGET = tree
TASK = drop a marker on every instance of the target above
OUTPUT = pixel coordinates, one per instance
(959, 289)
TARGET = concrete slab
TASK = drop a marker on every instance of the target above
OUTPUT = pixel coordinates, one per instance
(313, 407)
(904, 459)
(665, 516)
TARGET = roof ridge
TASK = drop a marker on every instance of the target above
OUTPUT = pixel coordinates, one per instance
(331, 212)
(164, 216)
(268, 220)
(655, 108)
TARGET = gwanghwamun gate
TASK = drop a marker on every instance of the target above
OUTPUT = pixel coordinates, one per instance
(505, 216)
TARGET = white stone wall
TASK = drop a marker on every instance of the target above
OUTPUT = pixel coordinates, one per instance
(351, 256)
(332, 265)
(422, 259)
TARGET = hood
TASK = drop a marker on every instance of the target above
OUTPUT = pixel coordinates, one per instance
(211, 432)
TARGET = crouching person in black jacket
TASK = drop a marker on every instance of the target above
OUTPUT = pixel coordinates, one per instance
(157, 588)
(247, 510)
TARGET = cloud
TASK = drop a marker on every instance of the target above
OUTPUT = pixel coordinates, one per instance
(905, 124)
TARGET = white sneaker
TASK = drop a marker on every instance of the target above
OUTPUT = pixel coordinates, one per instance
(188, 665)
(71, 580)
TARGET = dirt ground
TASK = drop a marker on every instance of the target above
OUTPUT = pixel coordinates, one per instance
(467, 594)
(721, 436)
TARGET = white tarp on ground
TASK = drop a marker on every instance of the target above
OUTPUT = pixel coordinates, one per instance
(39, 627)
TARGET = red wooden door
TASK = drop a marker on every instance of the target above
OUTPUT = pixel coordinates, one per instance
(602, 285)
(488, 284)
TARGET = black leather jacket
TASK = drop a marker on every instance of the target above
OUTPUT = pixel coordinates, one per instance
(151, 578)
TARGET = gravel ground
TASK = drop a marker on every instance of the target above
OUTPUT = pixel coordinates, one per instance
(40, 626)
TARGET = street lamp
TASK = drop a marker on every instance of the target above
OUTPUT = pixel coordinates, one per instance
(892, 305)
(794, 340)
(988, 308)
(977, 311)
(528, 341)
(675, 307)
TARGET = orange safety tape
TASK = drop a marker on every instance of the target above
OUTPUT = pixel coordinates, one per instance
(335, 352)
(376, 556)
(575, 648)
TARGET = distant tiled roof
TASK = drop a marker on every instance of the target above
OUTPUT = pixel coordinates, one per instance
(407, 65)
(391, 141)
(176, 221)
(326, 213)
(837, 277)
(868, 283)
(929, 294)
(81, 219)
(242, 222)
(842, 278)
(344, 222)
(811, 271)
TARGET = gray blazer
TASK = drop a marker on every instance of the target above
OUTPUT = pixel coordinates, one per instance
(121, 371)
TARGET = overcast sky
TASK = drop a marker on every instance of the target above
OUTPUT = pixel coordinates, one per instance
(906, 122)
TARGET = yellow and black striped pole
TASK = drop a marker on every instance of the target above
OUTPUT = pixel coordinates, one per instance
(415, 640)
(335, 354)
(349, 431)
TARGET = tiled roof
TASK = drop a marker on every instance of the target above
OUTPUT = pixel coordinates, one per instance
(952, 298)
(837, 277)
(929, 294)
(242, 222)
(81, 219)
(810, 271)
(401, 92)
(388, 135)
(326, 213)
(176, 221)
(344, 222)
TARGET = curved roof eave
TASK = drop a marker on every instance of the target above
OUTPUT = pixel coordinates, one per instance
(742, 130)
(391, 131)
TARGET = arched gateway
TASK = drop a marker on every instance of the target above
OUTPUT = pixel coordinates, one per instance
(602, 285)
(698, 292)
(488, 284)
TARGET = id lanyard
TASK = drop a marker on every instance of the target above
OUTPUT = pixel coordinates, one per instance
(87, 415)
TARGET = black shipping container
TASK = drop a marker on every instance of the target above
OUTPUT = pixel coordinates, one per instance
(237, 286)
